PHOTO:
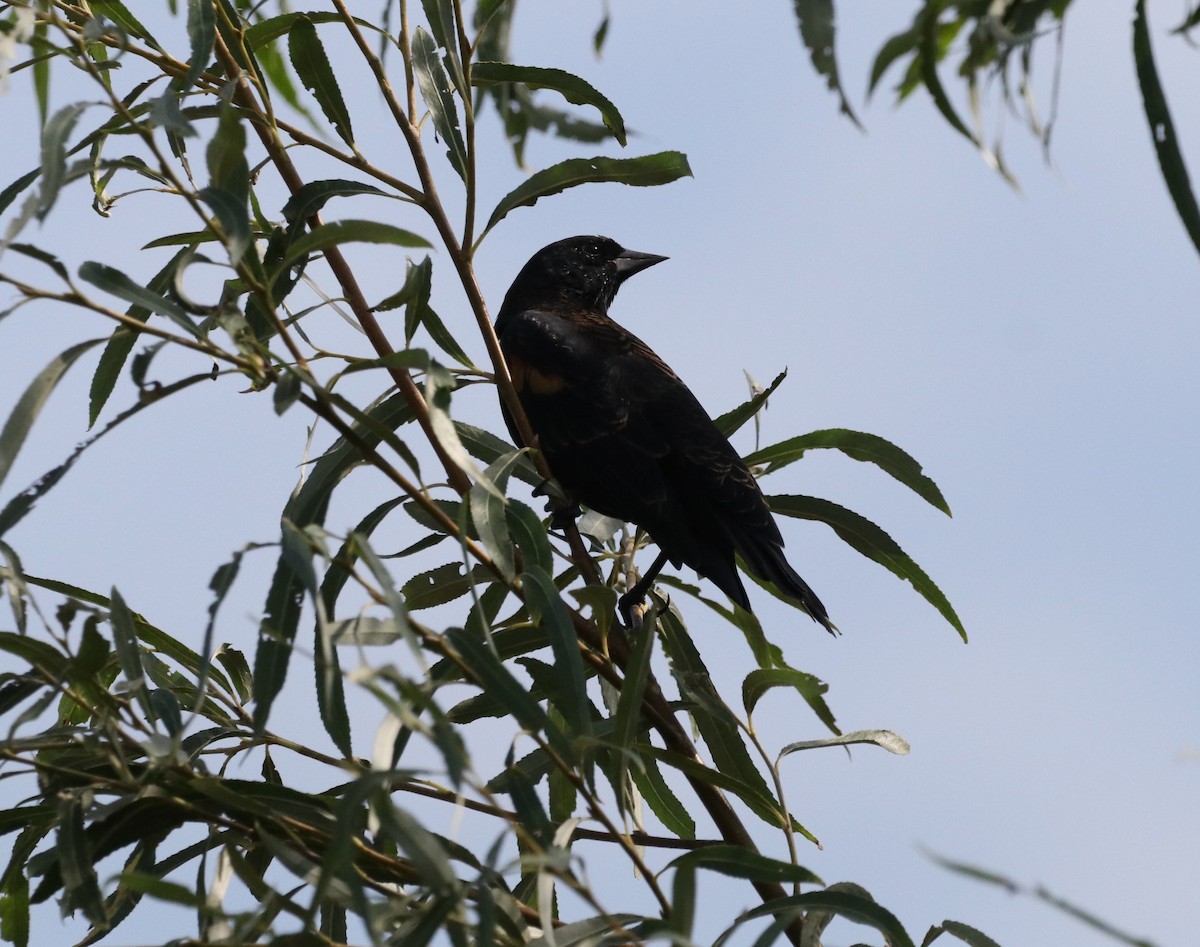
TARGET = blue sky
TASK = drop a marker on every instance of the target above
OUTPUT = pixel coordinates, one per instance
(1035, 352)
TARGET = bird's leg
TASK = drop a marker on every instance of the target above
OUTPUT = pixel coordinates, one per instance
(636, 595)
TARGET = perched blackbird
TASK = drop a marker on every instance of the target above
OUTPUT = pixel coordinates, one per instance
(623, 435)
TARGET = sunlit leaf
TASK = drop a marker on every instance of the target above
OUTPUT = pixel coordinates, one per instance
(570, 87)
(439, 99)
(31, 402)
(313, 67)
(867, 538)
(648, 170)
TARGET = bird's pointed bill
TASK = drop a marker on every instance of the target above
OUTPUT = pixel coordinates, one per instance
(629, 262)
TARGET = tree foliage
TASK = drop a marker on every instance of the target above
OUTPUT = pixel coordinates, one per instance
(131, 740)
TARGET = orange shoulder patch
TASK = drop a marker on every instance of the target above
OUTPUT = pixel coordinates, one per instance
(527, 378)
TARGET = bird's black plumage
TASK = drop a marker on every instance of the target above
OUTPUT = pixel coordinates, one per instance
(622, 434)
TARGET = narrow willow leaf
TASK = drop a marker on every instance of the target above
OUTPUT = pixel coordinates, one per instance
(439, 99)
(14, 910)
(661, 799)
(808, 686)
(738, 862)
(438, 385)
(312, 66)
(277, 631)
(731, 421)
(118, 284)
(41, 74)
(570, 87)
(232, 215)
(444, 26)
(864, 536)
(120, 15)
(31, 402)
(930, 56)
(157, 639)
(490, 516)
(888, 53)
(764, 805)
(817, 32)
(351, 231)
(313, 196)
(498, 681)
(869, 448)
(527, 531)
(633, 688)
(1162, 128)
(128, 653)
(857, 908)
(648, 170)
(549, 611)
(122, 341)
(977, 938)
(202, 34)
(884, 738)
(716, 722)
(54, 154)
(76, 863)
(441, 585)
(486, 446)
(14, 190)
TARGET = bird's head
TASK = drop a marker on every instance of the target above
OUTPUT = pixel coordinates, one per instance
(578, 271)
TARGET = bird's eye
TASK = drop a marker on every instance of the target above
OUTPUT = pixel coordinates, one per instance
(591, 252)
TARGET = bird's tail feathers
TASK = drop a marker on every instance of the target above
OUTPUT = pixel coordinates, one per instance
(767, 562)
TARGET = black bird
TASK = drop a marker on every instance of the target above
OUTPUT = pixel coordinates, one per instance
(623, 435)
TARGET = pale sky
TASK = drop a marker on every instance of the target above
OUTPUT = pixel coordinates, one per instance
(1035, 352)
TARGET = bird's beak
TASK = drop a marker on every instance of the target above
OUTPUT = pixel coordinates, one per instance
(630, 261)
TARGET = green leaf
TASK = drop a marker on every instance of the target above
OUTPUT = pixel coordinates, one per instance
(729, 422)
(486, 446)
(646, 171)
(498, 681)
(867, 538)
(121, 343)
(202, 34)
(570, 87)
(765, 806)
(31, 402)
(817, 32)
(54, 154)
(77, 865)
(312, 66)
(439, 99)
(857, 908)
(233, 217)
(884, 738)
(14, 190)
(662, 801)
(114, 281)
(854, 444)
(14, 910)
(889, 52)
(547, 610)
(129, 655)
(715, 721)
(489, 514)
(1162, 128)
(976, 938)
(808, 686)
(120, 15)
(310, 198)
(351, 231)
(930, 56)
(441, 585)
(738, 862)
